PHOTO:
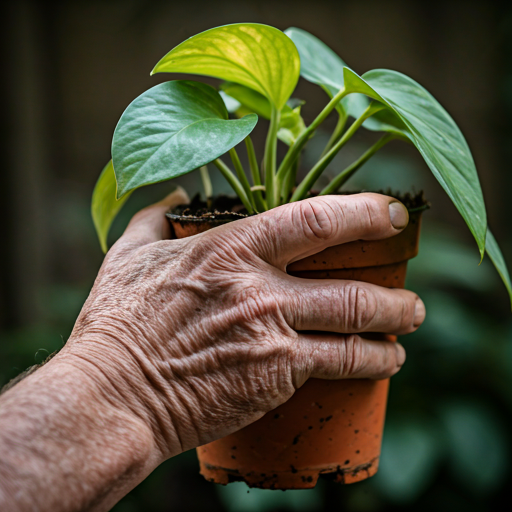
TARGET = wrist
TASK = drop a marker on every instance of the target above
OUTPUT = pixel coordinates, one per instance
(121, 371)
(72, 421)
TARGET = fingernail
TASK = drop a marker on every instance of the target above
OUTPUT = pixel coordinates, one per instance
(419, 313)
(398, 215)
(400, 354)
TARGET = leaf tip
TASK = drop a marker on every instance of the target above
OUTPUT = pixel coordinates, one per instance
(121, 191)
(482, 254)
(156, 67)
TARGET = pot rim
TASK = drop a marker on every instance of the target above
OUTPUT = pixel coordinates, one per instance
(221, 218)
(225, 217)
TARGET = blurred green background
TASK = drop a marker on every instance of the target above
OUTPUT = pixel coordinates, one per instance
(70, 69)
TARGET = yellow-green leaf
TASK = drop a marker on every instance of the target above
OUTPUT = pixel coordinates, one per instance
(243, 101)
(105, 206)
(257, 56)
(291, 125)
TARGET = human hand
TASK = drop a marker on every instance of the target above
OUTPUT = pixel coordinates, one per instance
(204, 335)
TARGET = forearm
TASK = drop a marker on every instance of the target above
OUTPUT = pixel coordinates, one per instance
(182, 342)
(67, 441)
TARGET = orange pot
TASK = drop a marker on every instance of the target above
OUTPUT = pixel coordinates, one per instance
(328, 428)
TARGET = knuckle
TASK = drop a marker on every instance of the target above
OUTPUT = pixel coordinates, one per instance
(316, 218)
(370, 212)
(359, 307)
(353, 359)
(254, 301)
(371, 218)
(232, 245)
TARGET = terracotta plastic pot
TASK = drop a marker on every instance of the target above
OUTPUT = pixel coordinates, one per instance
(328, 428)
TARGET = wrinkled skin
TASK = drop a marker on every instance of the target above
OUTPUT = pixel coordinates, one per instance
(212, 320)
(182, 342)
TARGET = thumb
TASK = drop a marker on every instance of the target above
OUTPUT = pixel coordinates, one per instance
(149, 225)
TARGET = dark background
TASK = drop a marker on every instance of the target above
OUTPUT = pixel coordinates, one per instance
(68, 71)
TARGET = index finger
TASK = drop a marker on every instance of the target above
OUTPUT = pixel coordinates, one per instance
(149, 224)
(297, 230)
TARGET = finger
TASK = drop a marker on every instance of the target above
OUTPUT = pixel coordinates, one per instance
(348, 306)
(150, 225)
(330, 356)
(296, 230)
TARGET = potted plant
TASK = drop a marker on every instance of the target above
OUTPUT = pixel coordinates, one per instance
(330, 428)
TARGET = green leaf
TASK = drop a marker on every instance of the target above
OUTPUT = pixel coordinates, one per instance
(291, 124)
(257, 56)
(253, 101)
(493, 251)
(413, 114)
(435, 135)
(105, 206)
(170, 130)
(322, 66)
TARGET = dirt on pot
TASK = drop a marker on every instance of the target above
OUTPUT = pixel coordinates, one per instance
(331, 429)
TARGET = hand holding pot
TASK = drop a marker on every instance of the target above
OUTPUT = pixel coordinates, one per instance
(208, 333)
(182, 342)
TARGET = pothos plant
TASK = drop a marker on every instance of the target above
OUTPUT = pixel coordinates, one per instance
(182, 125)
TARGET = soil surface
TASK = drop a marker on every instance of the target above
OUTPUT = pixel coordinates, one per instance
(229, 208)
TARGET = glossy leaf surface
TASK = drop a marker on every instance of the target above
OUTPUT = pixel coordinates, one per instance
(105, 206)
(435, 135)
(412, 114)
(322, 66)
(257, 56)
(170, 130)
(291, 124)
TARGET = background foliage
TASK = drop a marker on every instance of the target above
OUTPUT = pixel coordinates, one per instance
(71, 70)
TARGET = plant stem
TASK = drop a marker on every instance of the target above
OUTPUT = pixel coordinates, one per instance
(240, 172)
(295, 149)
(270, 159)
(336, 134)
(235, 184)
(253, 162)
(316, 171)
(207, 185)
(255, 173)
(289, 181)
(343, 176)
